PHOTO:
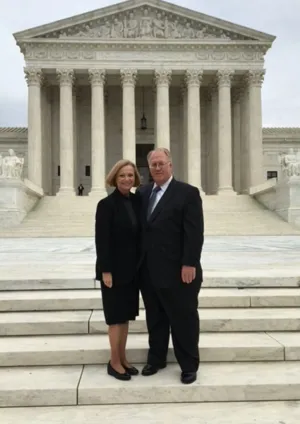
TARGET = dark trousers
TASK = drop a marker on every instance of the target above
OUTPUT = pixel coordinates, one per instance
(174, 308)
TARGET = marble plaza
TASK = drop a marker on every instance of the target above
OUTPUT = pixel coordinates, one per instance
(75, 257)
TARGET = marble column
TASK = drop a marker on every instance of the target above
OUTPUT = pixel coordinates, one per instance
(97, 80)
(163, 80)
(256, 171)
(244, 145)
(236, 108)
(224, 132)
(214, 162)
(66, 80)
(154, 94)
(34, 80)
(75, 138)
(46, 138)
(128, 80)
(193, 80)
(184, 153)
(208, 135)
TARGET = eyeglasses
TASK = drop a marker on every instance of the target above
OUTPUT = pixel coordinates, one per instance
(158, 165)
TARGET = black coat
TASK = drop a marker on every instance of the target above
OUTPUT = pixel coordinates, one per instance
(174, 234)
(117, 236)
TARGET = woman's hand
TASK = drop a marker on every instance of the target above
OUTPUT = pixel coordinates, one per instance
(107, 279)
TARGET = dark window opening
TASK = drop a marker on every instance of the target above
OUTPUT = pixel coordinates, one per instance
(272, 174)
(58, 171)
(87, 171)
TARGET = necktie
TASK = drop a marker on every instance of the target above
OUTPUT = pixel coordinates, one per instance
(152, 200)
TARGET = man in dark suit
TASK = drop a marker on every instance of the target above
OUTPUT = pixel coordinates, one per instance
(170, 270)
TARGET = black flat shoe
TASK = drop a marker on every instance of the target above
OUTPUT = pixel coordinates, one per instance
(151, 369)
(131, 370)
(188, 377)
(118, 375)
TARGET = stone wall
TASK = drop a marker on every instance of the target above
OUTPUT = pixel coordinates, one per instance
(276, 141)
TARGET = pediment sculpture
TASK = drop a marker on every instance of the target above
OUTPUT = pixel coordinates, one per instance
(146, 23)
(11, 166)
(290, 163)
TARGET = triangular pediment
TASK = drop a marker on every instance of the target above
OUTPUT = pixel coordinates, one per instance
(138, 19)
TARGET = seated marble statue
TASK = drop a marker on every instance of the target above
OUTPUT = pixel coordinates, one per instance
(11, 166)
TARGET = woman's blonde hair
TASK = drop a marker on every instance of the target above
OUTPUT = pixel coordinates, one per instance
(111, 179)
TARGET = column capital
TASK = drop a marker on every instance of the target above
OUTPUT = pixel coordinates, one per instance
(193, 77)
(65, 77)
(128, 76)
(33, 76)
(162, 76)
(97, 76)
(224, 77)
(255, 77)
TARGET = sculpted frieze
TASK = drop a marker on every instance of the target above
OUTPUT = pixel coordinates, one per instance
(145, 23)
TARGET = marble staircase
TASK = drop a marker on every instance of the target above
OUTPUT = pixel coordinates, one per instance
(56, 216)
(54, 348)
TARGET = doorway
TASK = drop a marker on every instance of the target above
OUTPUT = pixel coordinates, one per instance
(141, 161)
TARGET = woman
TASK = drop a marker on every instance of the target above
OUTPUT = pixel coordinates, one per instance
(117, 247)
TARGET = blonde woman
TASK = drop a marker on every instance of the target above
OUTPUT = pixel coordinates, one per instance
(117, 236)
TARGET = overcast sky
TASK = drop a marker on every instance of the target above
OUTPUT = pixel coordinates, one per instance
(281, 89)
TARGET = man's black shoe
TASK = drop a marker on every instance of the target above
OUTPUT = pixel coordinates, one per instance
(188, 377)
(151, 369)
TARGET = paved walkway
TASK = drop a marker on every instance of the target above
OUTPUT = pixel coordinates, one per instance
(75, 257)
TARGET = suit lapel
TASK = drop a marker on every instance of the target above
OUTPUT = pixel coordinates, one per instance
(146, 196)
(163, 201)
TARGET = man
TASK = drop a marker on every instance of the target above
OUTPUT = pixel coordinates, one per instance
(170, 269)
(80, 190)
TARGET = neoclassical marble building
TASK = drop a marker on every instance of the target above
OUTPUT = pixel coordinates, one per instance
(117, 81)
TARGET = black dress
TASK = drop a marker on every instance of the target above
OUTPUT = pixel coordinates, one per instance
(117, 236)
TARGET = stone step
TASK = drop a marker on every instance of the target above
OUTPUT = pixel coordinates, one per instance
(276, 412)
(94, 349)
(211, 320)
(57, 300)
(90, 385)
(259, 278)
(226, 230)
(222, 320)
(43, 323)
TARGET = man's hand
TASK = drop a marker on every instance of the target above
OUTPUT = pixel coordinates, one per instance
(188, 274)
(107, 279)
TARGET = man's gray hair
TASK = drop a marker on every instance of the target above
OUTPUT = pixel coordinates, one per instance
(160, 149)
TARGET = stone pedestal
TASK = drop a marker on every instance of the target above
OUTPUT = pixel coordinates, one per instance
(288, 200)
(17, 198)
(283, 197)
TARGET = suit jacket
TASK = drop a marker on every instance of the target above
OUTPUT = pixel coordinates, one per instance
(174, 234)
(117, 236)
